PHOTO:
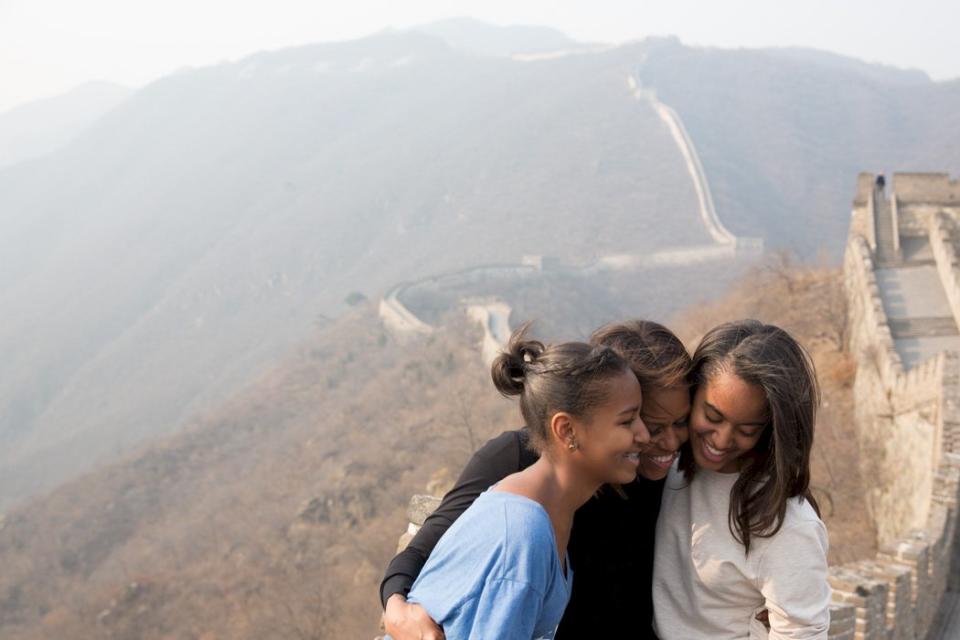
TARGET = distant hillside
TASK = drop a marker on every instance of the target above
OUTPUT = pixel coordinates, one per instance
(781, 131)
(42, 126)
(197, 231)
(272, 517)
(481, 38)
(205, 225)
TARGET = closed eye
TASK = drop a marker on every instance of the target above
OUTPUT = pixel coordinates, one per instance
(654, 428)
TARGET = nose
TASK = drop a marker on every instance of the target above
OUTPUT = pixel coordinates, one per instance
(669, 441)
(640, 433)
(722, 437)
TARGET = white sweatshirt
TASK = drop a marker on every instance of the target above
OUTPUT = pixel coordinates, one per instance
(704, 586)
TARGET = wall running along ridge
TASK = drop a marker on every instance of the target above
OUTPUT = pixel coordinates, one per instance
(908, 427)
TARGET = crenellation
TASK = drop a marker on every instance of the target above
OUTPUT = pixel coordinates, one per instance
(899, 618)
(853, 585)
(843, 621)
(919, 385)
(865, 182)
(908, 417)
(926, 188)
(942, 243)
(869, 328)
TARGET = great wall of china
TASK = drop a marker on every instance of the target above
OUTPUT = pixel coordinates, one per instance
(403, 323)
(902, 278)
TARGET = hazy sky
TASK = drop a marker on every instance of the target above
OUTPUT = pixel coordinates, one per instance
(49, 46)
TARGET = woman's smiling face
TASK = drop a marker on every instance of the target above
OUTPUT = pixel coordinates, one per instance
(666, 412)
(611, 439)
(726, 421)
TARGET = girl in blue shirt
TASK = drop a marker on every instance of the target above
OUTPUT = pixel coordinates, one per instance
(501, 570)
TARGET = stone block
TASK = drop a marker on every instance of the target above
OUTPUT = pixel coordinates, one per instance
(404, 541)
(420, 507)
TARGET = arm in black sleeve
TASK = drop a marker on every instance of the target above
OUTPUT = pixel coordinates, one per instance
(498, 458)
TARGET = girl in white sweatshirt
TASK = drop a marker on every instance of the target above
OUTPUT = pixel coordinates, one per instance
(739, 533)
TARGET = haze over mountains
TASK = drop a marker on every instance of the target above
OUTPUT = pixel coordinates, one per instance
(203, 226)
(43, 126)
(781, 131)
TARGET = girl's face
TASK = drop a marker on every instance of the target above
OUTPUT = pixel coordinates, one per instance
(666, 413)
(726, 421)
(610, 442)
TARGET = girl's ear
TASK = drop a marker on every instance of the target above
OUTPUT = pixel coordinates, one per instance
(561, 429)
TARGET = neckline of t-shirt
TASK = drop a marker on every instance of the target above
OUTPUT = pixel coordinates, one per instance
(518, 498)
(565, 569)
(718, 474)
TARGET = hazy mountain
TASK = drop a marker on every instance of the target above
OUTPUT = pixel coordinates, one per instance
(200, 228)
(884, 73)
(42, 126)
(196, 231)
(782, 132)
(481, 38)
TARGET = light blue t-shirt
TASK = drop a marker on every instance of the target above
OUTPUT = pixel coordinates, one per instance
(495, 574)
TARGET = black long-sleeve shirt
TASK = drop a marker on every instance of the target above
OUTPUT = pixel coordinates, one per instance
(611, 545)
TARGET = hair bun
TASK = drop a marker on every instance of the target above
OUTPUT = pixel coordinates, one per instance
(509, 369)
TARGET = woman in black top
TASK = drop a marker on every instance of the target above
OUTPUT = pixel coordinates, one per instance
(611, 544)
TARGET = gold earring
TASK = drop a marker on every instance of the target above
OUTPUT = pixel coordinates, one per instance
(572, 445)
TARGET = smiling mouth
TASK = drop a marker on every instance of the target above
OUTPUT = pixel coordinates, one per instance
(713, 455)
(664, 462)
(632, 458)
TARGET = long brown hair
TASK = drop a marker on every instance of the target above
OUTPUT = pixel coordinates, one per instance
(778, 466)
(569, 377)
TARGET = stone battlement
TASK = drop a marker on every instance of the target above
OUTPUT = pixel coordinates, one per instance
(912, 188)
(926, 188)
(907, 407)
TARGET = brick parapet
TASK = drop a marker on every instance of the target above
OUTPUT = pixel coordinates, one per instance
(919, 385)
(926, 188)
(843, 622)
(944, 253)
(870, 335)
(914, 569)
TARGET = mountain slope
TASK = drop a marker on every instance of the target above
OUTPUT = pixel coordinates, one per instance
(42, 126)
(474, 36)
(200, 229)
(781, 132)
(197, 231)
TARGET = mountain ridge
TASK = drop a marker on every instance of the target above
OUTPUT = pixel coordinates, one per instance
(183, 241)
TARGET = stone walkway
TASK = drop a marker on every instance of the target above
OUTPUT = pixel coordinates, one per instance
(919, 313)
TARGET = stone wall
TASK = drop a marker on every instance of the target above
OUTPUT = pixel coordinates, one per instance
(865, 182)
(935, 188)
(399, 320)
(942, 245)
(908, 427)
(916, 198)
(870, 336)
(916, 218)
